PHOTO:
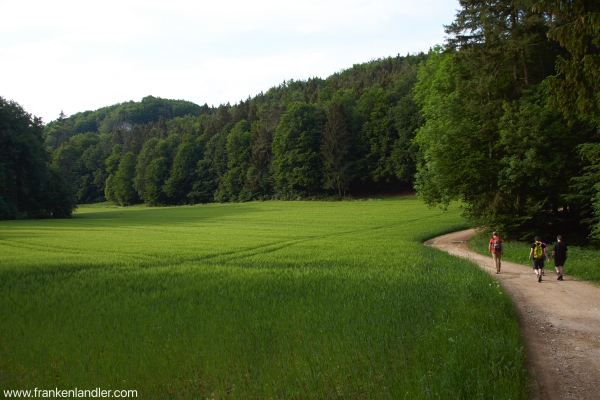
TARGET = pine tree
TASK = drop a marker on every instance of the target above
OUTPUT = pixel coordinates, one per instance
(575, 89)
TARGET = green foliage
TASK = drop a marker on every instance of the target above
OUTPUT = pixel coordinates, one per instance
(254, 300)
(58, 196)
(575, 89)
(258, 179)
(335, 149)
(231, 184)
(296, 161)
(124, 192)
(540, 158)
(588, 185)
(378, 156)
(118, 116)
(112, 161)
(29, 188)
(182, 177)
(451, 149)
(216, 152)
(59, 132)
(157, 174)
(112, 165)
(576, 86)
(490, 139)
(203, 189)
(91, 188)
(81, 162)
(147, 154)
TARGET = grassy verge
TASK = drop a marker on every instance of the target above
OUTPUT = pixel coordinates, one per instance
(255, 300)
(582, 263)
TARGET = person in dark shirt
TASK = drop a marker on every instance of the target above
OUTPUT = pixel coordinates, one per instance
(559, 254)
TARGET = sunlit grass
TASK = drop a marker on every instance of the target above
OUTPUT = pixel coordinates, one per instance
(254, 300)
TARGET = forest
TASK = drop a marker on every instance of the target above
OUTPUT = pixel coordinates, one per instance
(503, 117)
(349, 134)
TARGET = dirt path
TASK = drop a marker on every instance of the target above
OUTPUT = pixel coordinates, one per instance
(560, 322)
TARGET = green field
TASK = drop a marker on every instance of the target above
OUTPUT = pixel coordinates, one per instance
(254, 300)
(583, 263)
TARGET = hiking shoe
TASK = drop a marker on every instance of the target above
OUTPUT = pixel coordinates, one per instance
(539, 278)
(561, 277)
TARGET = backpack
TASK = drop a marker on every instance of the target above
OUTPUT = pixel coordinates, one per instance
(538, 251)
(497, 244)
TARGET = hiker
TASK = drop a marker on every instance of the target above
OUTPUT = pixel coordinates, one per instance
(497, 249)
(559, 254)
(538, 251)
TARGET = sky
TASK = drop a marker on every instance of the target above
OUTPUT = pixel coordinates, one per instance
(83, 55)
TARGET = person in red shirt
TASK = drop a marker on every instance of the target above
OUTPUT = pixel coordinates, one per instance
(496, 247)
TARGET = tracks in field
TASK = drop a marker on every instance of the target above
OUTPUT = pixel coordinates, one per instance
(279, 245)
(559, 320)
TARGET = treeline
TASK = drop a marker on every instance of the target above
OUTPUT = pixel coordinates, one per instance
(121, 116)
(505, 117)
(349, 133)
(511, 110)
(30, 187)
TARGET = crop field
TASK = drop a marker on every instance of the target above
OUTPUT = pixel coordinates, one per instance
(288, 300)
(583, 263)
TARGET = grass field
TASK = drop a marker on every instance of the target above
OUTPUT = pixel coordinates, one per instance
(583, 263)
(287, 300)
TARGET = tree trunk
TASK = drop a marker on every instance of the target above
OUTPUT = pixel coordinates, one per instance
(525, 66)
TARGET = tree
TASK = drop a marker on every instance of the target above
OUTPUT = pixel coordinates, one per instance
(403, 157)
(488, 130)
(157, 173)
(335, 149)
(378, 130)
(59, 201)
(216, 152)
(26, 180)
(462, 94)
(124, 191)
(452, 148)
(536, 143)
(147, 154)
(59, 132)
(296, 150)
(70, 161)
(575, 24)
(182, 176)
(112, 165)
(575, 89)
(203, 189)
(93, 161)
(238, 151)
(258, 180)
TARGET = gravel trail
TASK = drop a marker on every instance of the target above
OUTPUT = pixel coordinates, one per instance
(560, 323)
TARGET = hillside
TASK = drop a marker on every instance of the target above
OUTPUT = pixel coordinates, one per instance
(503, 117)
(360, 121)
